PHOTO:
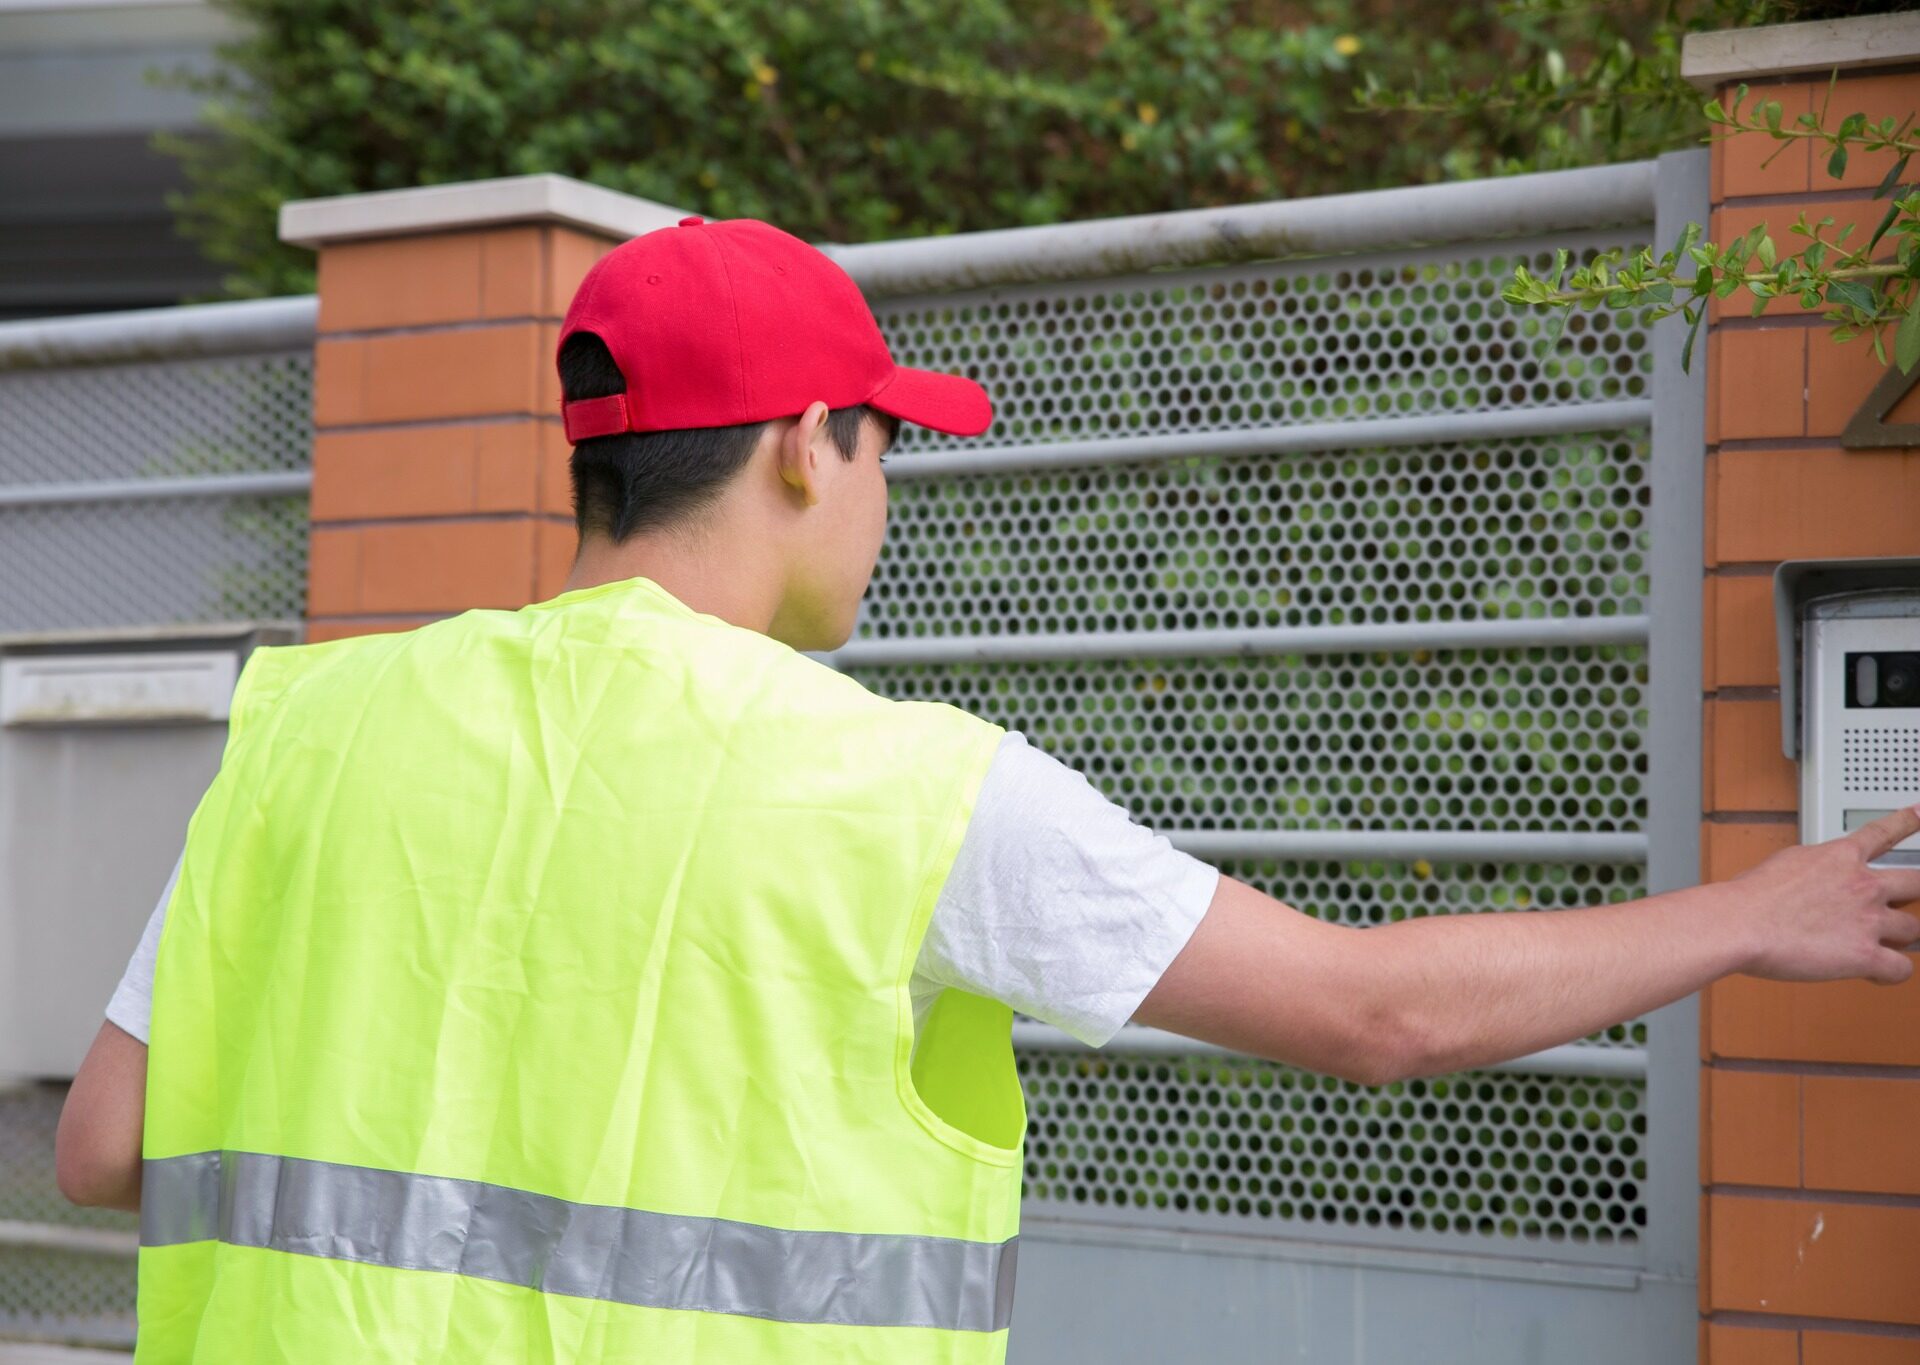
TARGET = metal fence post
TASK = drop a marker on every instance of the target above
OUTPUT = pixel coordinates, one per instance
(1673, 732)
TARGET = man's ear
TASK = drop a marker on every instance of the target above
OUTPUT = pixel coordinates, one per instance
(803, 448)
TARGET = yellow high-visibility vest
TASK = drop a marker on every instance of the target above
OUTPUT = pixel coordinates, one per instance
(535, 988)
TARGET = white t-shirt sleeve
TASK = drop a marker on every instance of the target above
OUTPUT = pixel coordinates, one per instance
(1059, 903)
(132, 1005)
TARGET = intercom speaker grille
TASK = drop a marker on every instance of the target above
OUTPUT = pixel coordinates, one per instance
(1880, 758)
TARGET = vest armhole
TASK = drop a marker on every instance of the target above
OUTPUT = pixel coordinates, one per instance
(976, 1030)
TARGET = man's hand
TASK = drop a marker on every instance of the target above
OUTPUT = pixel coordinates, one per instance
(1821, 914)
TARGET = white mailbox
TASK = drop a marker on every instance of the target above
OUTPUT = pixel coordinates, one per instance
(107, 741)
(1855, 723)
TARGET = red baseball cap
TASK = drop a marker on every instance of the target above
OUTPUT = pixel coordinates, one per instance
(718, 324)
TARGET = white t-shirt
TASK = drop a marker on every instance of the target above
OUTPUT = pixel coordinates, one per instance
(1057, 903)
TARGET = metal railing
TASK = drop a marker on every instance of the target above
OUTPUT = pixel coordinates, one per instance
(1282, 229)
(154, 465)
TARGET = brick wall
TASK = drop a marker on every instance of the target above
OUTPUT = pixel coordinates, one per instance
(439, 464)
(1810, 1094)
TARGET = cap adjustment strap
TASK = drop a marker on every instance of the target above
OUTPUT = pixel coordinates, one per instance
(586, 418)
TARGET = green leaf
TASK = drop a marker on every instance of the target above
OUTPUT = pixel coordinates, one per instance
(1689, 234)
(1765, 252)
(1559, 265)
(1693, 328)
(1853, 294)
(1837, 163)
(1892, 177)
(1893, 211)
(1906, 344)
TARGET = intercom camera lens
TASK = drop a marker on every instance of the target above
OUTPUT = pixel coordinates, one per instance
(1899, 679)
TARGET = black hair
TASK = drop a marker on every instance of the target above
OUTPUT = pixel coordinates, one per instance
(646, 480)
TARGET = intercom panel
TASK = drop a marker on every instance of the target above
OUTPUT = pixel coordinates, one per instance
(1860, 655)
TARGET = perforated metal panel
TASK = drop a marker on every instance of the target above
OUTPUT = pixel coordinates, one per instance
(157, 419)
(119, 563)
(1270, 346)
(1536, 740)
(1530, 740)
(1205, 1141)
(66, 1295)
(1508, 530)
(82, 449)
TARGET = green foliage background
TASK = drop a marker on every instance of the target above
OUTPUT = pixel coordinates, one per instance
(861, 119)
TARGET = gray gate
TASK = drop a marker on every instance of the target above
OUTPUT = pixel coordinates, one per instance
(1383, 596)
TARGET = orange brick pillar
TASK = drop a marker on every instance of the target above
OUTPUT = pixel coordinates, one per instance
(1810, 1094)
(439, 463)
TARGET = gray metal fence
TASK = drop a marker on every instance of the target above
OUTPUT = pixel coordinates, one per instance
(154, 466)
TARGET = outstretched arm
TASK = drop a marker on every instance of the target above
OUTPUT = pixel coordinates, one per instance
(1447, 993)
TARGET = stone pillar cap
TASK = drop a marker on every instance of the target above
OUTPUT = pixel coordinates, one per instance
(1710, 60)
(473, 204)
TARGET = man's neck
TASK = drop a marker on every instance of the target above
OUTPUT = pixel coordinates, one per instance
(721, 581)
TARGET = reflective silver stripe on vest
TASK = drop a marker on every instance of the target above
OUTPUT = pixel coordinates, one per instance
(654, 1260)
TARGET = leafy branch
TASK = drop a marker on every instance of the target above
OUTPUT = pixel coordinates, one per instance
(1860, 295)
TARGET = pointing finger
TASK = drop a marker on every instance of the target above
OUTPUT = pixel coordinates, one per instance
(1873, 839)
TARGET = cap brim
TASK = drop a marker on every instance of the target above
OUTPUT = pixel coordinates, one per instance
(946, 402)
